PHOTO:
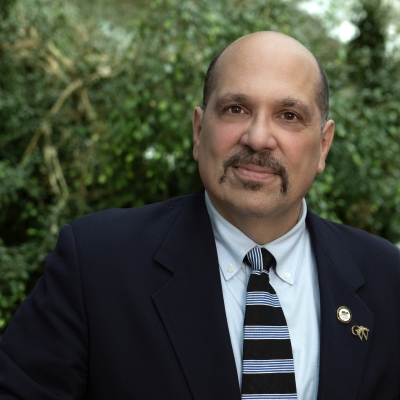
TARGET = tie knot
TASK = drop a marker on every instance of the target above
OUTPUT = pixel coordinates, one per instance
(260, 258)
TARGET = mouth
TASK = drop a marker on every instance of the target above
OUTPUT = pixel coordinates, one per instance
(254, 172)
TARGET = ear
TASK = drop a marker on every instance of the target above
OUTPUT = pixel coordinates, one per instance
(326, 141)
(196, 125)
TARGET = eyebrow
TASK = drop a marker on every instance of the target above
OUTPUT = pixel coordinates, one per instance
(229, 97)
(290, 102)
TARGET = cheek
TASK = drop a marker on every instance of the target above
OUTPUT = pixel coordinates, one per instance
(303, 151)
(218, 143)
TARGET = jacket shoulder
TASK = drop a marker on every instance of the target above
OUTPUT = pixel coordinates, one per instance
(136, 228)
(129, 216)
(356, 241)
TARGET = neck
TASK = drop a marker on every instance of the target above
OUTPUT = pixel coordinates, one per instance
(263, 229)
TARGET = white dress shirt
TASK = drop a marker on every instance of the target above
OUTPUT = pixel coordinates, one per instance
(294, 279)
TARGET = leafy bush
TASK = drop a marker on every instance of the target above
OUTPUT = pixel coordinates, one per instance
(95, 115)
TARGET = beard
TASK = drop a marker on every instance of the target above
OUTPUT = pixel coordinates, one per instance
(261, 159)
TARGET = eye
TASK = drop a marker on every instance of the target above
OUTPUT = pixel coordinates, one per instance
(235, 110)
(289, 116)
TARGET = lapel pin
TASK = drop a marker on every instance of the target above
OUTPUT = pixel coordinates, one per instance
(360, 331)
(343, 315)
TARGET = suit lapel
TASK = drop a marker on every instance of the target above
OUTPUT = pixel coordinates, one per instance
(342, 354)
(191, 305)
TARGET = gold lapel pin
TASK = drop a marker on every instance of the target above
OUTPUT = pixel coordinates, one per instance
(343, 315)
(360, 331)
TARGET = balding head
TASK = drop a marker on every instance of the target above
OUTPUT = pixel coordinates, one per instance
(277, 47)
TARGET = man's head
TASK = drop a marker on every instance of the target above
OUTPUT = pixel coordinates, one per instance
(258, 141)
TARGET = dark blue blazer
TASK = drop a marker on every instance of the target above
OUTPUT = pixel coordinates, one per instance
(131, 307)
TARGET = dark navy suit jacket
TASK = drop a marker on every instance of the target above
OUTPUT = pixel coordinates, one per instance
(131, 307)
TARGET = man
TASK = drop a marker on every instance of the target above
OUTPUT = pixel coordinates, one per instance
(149, 303)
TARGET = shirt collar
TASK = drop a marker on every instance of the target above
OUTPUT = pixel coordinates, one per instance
(233, 245)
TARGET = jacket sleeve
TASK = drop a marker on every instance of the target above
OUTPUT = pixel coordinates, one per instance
(43, 354)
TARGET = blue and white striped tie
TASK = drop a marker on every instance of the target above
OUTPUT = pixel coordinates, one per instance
(268, 369)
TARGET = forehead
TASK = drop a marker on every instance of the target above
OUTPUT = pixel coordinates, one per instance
(268, 69)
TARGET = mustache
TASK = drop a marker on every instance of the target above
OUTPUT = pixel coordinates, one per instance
(261, 159)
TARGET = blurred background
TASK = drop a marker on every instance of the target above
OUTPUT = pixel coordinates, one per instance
(96, 99)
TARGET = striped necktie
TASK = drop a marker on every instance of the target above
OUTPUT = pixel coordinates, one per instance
(268, 369)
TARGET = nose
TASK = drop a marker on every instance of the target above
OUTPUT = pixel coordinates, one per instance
(260, 134)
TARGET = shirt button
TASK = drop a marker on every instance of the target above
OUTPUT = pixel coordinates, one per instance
(230, 269)
(287, 274)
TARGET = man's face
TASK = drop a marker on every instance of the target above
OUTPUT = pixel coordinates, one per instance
(259, 143)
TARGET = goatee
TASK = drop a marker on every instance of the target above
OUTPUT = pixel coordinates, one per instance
(261, 159)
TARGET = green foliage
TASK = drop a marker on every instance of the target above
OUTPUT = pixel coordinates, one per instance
(5, 6)
(49, 60)
(366, 52)
(95, 115)
(361, 184)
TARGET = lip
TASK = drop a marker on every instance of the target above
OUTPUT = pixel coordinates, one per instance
(254, 172)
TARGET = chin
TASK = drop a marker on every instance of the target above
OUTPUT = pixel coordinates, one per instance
(256, 206)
